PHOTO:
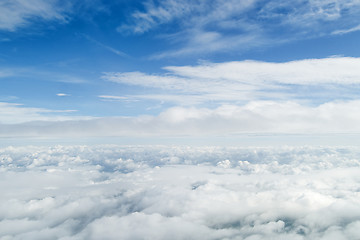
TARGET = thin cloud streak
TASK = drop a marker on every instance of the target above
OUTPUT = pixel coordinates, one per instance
(15, 113)
(38, 74)
(111, 49)
(345, 31)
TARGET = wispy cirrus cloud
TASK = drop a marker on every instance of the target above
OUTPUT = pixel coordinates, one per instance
(15, 14)
(40, 74)
(213, 26)
(345, 31)
(18, 14)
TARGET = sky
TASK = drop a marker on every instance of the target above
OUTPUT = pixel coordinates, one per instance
(198, 69)
(169, 119)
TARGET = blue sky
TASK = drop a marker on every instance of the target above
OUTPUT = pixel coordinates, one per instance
(165, 68)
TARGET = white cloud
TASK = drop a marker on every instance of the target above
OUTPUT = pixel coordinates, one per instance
(328, 78)
(344, 31)
(313, 96)
(62, 94)
(109, 98)
(81, 192)
(14, 113)
(212, 26)
(19, 13)
(116, 98)
(336, 70)
(260, 117)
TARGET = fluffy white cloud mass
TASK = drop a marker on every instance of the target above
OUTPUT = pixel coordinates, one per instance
(312, 79)
(134, 192)
(255, 117)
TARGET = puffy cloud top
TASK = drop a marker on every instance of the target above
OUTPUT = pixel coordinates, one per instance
(135, 192)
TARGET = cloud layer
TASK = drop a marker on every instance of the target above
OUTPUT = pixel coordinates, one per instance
(254, 117)
(112, 192)
(306, 96)
(312, 79)
(212, 26)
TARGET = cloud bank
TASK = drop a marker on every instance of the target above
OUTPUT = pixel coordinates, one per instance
(325, 79)
(134, 192)
(254, 117)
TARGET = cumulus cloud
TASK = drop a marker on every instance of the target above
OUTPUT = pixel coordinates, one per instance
(212, 26)
(112, 192)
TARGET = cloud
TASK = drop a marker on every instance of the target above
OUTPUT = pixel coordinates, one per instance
(111, 49)
(213, 26)
(15, 14)
(62, 94)
(109, 98)
(312, 96)
(14, 113)
(327, 79)
(31, 73)
(256, 117)
(82, 192)
(344, 31)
